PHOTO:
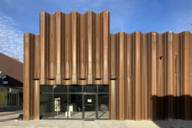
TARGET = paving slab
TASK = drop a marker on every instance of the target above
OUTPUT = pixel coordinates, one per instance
(9, 120)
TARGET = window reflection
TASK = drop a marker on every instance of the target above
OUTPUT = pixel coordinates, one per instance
(46, 105)
(90, 88)
(103, 89)
(75, 88)
(75, 106)
(103, 106)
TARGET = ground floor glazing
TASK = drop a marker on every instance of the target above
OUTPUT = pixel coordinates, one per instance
(87, 102)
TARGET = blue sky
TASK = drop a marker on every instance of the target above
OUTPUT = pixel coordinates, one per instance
(19, 16)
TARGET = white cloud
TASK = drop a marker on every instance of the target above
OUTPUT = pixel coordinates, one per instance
(181, 23)
(11, 38)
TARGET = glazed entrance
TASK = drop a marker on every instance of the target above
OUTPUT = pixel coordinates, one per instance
(74, 102)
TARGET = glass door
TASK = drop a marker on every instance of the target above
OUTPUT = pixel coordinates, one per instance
(89, 106)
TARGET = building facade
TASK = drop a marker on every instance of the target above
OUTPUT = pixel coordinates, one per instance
(75, 69)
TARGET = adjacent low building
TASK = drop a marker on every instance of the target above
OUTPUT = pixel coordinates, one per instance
(76, 69)
(11, 83)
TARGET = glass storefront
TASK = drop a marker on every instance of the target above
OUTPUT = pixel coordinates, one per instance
(74, 102)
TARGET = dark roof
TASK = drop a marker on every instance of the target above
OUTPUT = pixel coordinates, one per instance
(11, 67)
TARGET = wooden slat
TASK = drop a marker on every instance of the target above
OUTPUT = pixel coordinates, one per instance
(28, 75)
(62, 48)
(186, 55)
(58, 42)
(186, 74)
(169, 41)
(83, 46)
(129, 77)
(26, 90)
(133, 74)
(44, 35)
(153, 37)
(37, 58)
(113, 112)
(176, 62)
(113, 57)
(36, 100)
(67, 49)
(90, 47)
(137, 41)
(190, 59)
(121, 74)
(98, 48)
(52, 48)
(74, 22)
(144, 76)
(160, 66)
(105, 42)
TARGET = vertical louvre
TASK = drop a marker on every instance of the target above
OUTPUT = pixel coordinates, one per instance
(36, 100)
(113, 57)
(67, 49)
(176, 63)
(185, 52)
(29, 46)
(98, 43)
(121, 75)
(128, 79)
(113, 106)
(74, 41)
(105, 42)
(144, 76)
(52, 48)
(36, 58)
(160, 66)
(82, 52)
(44, 35)
(89, 47)
(137, 41)
(58, 42)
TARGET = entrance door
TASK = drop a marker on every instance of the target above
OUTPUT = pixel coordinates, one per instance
(89, 106)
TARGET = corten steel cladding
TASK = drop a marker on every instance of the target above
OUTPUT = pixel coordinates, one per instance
(149, 75)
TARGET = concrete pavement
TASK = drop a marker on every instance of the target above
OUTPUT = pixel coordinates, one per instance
(9, 120)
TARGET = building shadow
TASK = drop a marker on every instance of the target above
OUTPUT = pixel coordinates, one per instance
(167, 111)
(174, 123)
